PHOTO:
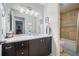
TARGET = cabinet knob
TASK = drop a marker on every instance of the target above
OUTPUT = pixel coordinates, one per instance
(22, 53)
(22, 44)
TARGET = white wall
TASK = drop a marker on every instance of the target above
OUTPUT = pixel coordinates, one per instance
(51, 10)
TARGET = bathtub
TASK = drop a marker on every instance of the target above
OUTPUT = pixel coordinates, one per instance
(69, 46)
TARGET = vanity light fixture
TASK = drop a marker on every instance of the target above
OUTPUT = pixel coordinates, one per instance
(29, 11)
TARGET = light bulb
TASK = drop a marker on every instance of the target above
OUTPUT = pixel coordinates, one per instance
(36, 13)
(21, 10)
(27, 11)
(32, 12)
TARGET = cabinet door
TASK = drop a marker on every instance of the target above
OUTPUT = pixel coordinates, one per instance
(43, 46)
(46, 46)
(35, 47)
(8, 50)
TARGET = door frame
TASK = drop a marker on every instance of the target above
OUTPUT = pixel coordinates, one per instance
(22, 19)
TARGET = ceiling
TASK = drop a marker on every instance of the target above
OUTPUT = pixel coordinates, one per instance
(64, 7)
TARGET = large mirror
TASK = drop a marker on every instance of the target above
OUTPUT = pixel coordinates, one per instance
(20, 22)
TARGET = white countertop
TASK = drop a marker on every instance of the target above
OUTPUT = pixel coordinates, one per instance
(24, 37)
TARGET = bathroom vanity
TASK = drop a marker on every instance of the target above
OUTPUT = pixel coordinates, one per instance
(27, 46)
(24, 33)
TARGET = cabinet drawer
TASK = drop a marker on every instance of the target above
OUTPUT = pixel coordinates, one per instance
(21, 51)
(21, 44)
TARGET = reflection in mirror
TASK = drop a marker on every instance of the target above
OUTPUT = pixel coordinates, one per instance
(27, 23)
(19, 25)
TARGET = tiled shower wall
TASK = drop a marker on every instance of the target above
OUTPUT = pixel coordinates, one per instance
(69, 25)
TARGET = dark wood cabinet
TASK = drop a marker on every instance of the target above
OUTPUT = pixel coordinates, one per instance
(35, 47)
(45, 46)
(15, 49)
(40, 47)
